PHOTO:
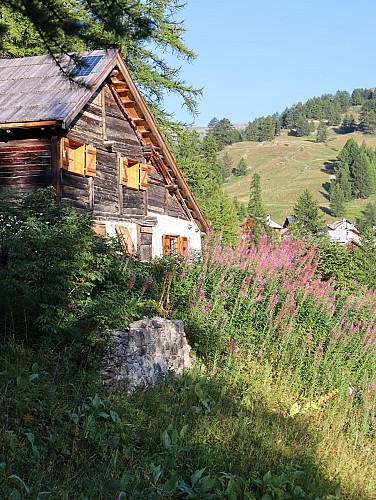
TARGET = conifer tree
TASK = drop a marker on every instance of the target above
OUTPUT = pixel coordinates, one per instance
(337, 200)
(241, 168)
(255, 205)
(368, 218)
(307, 214)
(322, 132)
(226, 166)
(142, 31)
(362, 178)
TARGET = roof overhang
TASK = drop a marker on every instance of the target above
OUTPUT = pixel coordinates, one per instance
(47, 123)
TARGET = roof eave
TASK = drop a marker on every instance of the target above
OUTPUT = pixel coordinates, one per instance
(93, 88)
(33, 124)
(203, 225)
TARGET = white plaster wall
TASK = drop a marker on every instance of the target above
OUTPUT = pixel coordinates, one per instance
(131, 226)
(166, 225)
(178, 227)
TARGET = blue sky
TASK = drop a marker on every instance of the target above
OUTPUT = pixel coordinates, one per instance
(259, 57)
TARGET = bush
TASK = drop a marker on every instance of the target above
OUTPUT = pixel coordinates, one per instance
(59, 280)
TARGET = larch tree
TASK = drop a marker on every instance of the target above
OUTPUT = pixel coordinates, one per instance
(142, 31)
(307, 214)
(337, 200)
(256, 207)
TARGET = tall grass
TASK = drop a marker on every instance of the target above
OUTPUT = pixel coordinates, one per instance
(270, 301)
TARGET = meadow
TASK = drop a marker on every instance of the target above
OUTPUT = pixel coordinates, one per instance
(287, 166)
(280, 404)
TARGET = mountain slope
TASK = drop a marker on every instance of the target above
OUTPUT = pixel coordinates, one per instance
(287, 166)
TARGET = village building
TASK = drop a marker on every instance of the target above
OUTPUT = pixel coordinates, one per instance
(99, 147)
(344, 233)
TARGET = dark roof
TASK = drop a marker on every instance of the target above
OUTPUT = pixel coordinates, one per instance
(34, 89)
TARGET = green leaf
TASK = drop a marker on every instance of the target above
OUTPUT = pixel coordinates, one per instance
(114, 416)
(197, 475)
(30, 436)
(267, 477)
(75, 418)
(96, 401)
(33, 377)
(20, 481)
(125, 480)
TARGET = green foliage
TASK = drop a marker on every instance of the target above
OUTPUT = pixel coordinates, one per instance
(355, 171)
(322, 132)
(307, 214)
(142, 31)
(224, 133)
(203, 172)
(337, 200)
(241, 168)
(226, 166)
(368, 218)
(262, 129)
(302, 126)
(279, 349)
(255, 205)
(57, 276)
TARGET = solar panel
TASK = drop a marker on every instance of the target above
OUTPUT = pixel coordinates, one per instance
(85, 66)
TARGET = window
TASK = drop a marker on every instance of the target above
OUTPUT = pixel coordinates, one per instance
(175, 245)
(133, 175)
(80, 159)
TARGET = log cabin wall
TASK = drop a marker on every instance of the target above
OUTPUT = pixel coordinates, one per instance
(174, 209)
(25, 160)
(102, 124)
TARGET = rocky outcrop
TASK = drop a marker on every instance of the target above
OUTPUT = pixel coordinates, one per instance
(144, 353)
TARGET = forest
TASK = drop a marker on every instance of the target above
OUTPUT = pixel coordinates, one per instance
(281, 402)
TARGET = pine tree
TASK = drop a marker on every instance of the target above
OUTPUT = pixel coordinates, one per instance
(322, 132)
(255, 205)
(342, 172)
(368, 218)
(362, 178)
(241, 168)
(337, 200)
(307, 214)
(302, 126)
(226, 166)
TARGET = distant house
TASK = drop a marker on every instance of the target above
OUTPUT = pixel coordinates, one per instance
(344, 232)
(274, 226)
(99, 147)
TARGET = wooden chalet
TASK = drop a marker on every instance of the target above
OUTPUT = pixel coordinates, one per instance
(99, 147)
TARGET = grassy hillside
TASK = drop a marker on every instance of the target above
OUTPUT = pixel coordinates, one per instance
(289, 165)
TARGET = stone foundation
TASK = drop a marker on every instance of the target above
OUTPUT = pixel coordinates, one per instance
(144, 353)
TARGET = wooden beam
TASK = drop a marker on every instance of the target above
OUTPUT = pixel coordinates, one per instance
(29, 124)
(56, 158)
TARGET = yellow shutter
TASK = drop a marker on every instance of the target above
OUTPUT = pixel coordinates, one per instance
(79, 160)
(144, 176)
(68, 156)
(184, 246)
(123, 170)
(91, 161)
(166, 242)
(133, 176)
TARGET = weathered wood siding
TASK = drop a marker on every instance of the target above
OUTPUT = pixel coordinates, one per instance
(156, 193)
(102, 124)
(25, 164)
(174, 209)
